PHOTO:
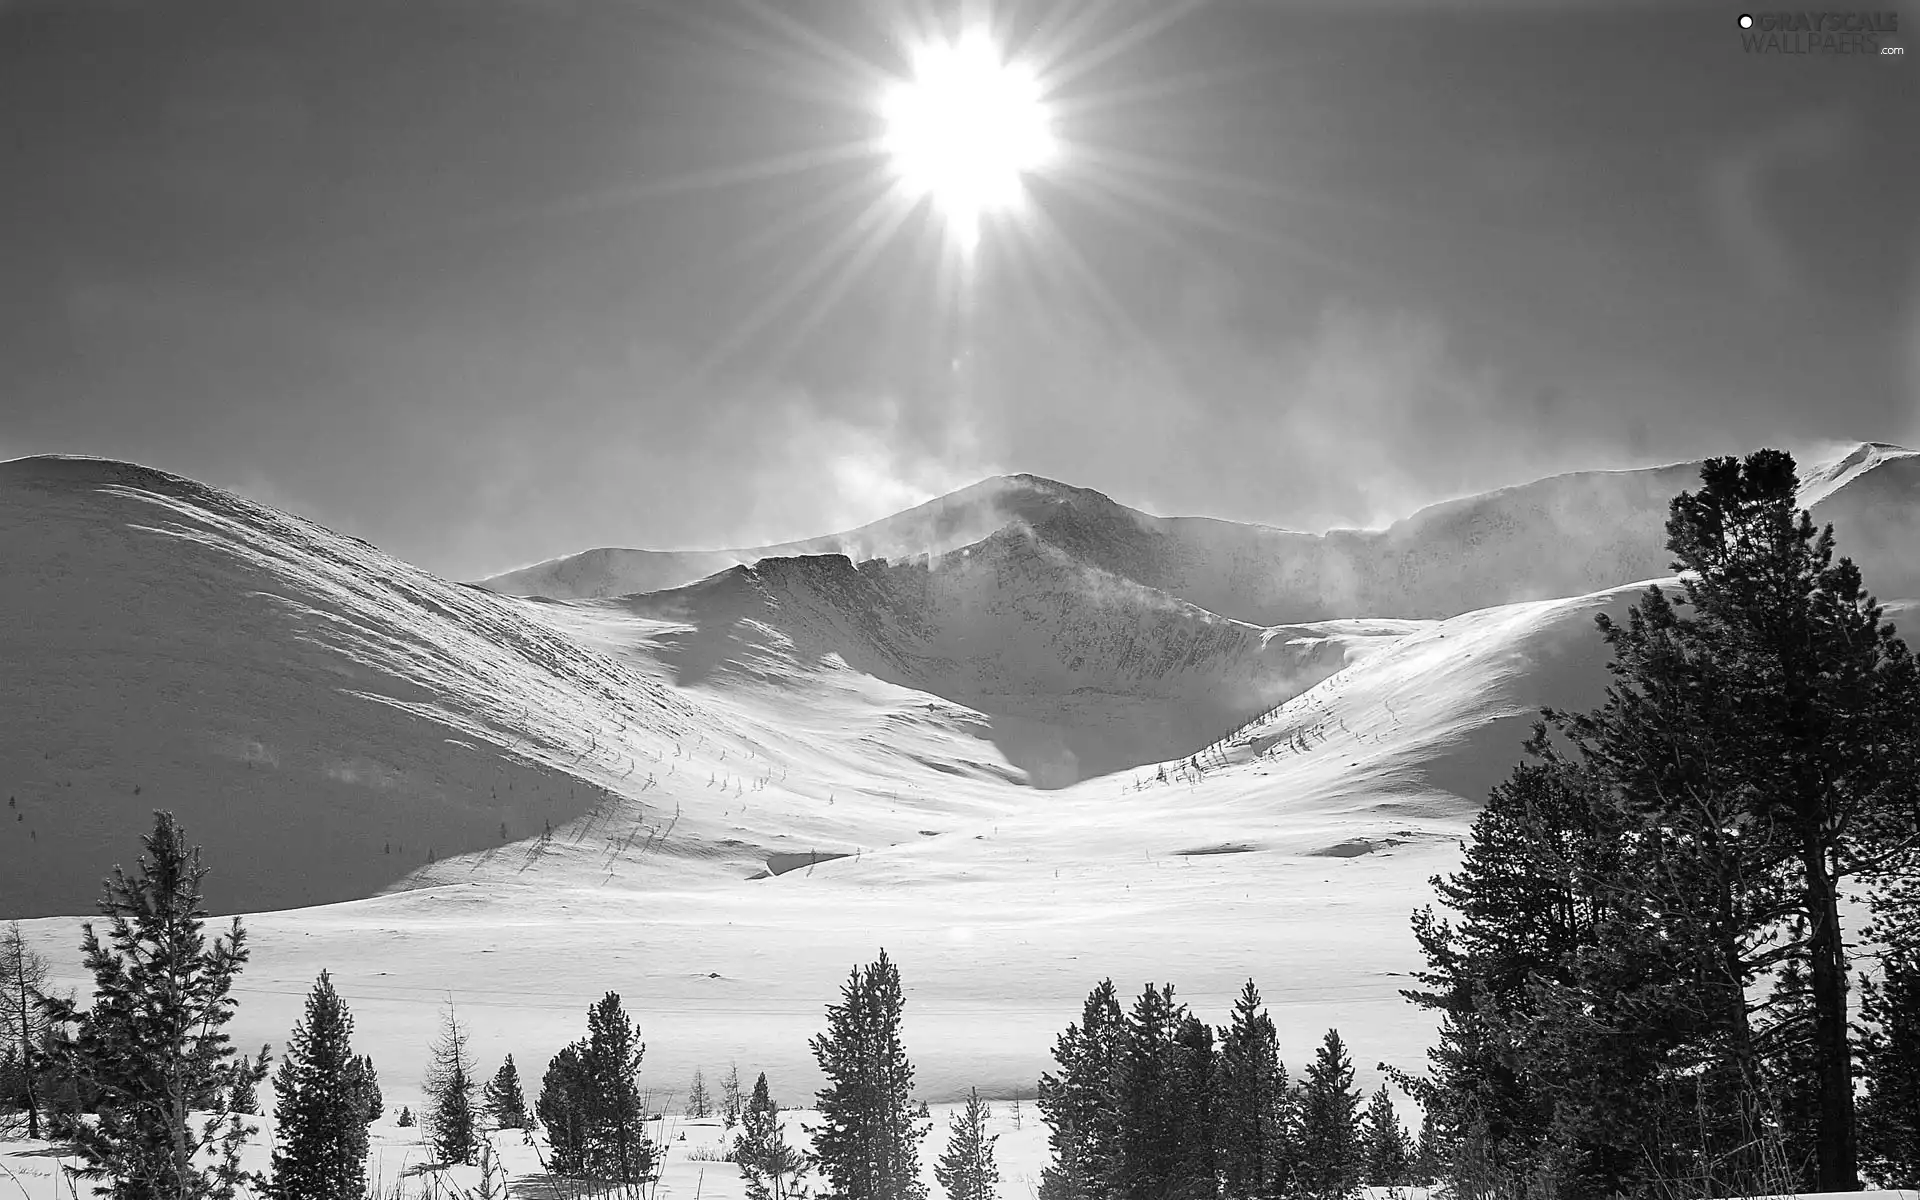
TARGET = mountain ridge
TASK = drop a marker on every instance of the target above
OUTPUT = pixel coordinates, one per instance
(1565, 534)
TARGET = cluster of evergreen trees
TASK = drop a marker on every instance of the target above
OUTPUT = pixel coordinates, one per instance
(146, 1085)
(591, 1106)
(1643, 982)
(1154, 1103)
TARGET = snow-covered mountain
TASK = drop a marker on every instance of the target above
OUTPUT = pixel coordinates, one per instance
(753, 779)
(1561, 536)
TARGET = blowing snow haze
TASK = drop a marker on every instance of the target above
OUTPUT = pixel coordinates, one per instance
(561, 497)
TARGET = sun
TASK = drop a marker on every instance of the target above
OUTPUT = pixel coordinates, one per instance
(964, 130)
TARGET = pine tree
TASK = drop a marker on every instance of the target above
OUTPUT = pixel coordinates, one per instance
(243, 1094)
(730, 1096)
(1331, 1164)
(1802, 715)
(868, 1142)
(699, 1100)
(320, 1148)
(967, 1170)
(506, 1102)
(153, 1043)
(1196, 1172)
(1429, 1153)
(773, 1170)
(451, 1126)
(1251, 1130)
(1152, 1147)
(563, 1109)
(1890, 1062)
(368, 1081)
(616, 1119)
(405, 1119)
(23, 1024)
(1080, 1104)
(1388, 1157)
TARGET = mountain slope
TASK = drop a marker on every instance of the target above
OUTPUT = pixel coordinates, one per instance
(1565, 535)
(1079, 672)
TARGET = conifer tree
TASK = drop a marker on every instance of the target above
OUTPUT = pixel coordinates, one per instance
(320, 1148)
(243, 1094)
(616, 1119)
(153, 1043)
(730, 1096)
(23, 1024)
(405, 1119)
(1196, 1174)
(368, 1081)
(967, 1170)
(1331, 1164)
(1428, 1152)
(1251, 1129)
(450, 1119)
(1384, 1145)
(1151, 1145)
(506, 1102)
(868, 1143)
(699, 1100)
(1890, 1113)
(563, 1108)
(1789, 767)
(773, 1169)
(1080, 1103)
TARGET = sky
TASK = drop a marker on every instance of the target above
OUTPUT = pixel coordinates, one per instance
(489, 281)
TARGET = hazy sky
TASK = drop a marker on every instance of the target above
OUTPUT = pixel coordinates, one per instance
(486, 281)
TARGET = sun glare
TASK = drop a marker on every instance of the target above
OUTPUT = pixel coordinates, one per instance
(964, 130)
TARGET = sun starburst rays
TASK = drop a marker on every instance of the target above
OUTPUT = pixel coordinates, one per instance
(971, 132)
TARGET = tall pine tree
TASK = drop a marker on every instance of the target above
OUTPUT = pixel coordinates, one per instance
(320, 1147)
(1080, 1102)
(153, 1044)
(1331, 1163)
(616, 1119)
(1251, 1132)
(1765, 736)
(868, 1142)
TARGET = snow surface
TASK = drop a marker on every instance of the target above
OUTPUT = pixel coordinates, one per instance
(756, 781)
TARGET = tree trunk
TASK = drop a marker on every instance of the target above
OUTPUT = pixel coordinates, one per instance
(1837, 1149)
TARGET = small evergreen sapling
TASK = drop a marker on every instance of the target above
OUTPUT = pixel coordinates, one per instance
(368, 1081)
(967, 1170)
(773, 1170)
(1389, 1157)
(506, 1102)
(23, 1024)
(699, 1101)
(405, 1120)
(730, 1096)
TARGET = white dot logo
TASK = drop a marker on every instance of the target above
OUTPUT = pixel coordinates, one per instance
(1746, 21)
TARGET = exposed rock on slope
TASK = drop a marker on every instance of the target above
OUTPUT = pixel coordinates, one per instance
(1081, 671)
(1562, 536)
